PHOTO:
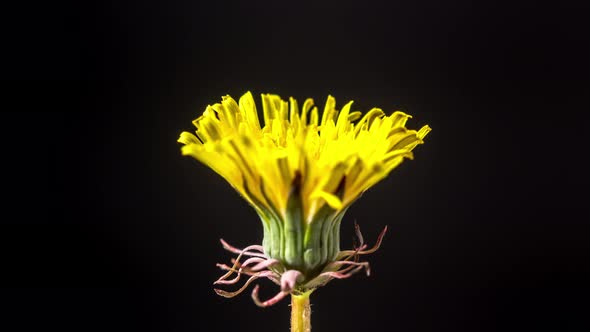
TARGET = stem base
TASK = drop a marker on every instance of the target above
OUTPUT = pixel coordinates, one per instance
(300, 313)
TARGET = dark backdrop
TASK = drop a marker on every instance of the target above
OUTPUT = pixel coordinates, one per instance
(109, 228)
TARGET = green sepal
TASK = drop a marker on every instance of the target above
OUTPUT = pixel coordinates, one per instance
(304, 245)
(293, 254)
(315, 248)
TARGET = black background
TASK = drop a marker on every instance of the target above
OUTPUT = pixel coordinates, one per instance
(108, 228)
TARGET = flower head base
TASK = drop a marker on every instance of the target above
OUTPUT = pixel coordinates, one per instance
(260, 265)
(300, 172)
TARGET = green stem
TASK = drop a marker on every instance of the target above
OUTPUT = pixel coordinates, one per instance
(300, 313)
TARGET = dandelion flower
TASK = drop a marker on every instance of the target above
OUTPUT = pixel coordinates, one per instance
(300, 171)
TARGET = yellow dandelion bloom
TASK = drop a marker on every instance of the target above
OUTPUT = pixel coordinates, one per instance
(301, 170)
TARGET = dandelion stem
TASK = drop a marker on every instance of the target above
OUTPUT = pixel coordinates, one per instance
(300, 312)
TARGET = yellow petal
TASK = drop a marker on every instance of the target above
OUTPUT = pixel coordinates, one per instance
(260, 159)
(330, 199)
(188, 138)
